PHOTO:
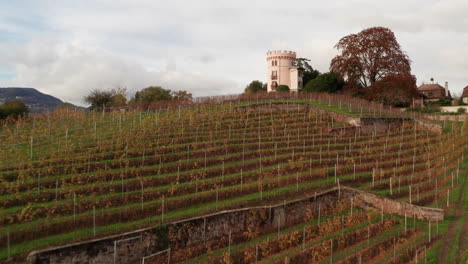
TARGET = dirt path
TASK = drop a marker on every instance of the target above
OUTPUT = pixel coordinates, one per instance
(449, 236)
(463, 239)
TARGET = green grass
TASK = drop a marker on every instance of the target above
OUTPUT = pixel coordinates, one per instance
(450, 220)
(329, 106)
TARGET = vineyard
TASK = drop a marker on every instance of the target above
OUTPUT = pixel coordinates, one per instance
(73, 176)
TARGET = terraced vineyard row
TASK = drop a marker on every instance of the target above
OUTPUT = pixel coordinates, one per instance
(130, 170)
(337, 234)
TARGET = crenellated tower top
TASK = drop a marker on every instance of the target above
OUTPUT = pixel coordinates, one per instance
(283, 54)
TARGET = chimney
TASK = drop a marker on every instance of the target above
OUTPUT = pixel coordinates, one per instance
(446, 90)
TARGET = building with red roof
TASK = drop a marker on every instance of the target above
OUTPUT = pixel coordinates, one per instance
(433, 92)
(465, 95)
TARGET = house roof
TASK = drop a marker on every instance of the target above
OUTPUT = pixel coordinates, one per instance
(465, 92)
(433, 91)
(433, 86)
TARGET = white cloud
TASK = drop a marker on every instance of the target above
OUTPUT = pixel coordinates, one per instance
(211, 47)
(69, 72)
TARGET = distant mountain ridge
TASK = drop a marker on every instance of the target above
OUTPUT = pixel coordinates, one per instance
(36, 101)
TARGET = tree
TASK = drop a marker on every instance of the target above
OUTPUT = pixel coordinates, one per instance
(182, 95)
(327, 82)
(119, 97)
(99, 99)
(282, 88)
(14, 109)
(308, 73)
(152, 94)
(460, 101)
(396, 90)
(370, 56)
(255, 86)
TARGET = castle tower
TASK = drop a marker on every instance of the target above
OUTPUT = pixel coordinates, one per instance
(282, 70)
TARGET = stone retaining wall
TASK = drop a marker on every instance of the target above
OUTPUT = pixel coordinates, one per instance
(365, 125)
(390, 206)
(133, 246)
(432, 127)
(439, 117)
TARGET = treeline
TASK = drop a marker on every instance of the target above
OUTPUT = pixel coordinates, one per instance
(370, 65)
(321, 82)
(149, 97)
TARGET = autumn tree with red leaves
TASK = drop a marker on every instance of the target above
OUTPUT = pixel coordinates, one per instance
(395, 90)
(370, 56)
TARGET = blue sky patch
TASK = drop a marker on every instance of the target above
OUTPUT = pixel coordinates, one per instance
(7, 74)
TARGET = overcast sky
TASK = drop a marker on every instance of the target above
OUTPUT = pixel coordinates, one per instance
(67, 48)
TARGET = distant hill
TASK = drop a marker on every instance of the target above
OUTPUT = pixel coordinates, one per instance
(35, 100)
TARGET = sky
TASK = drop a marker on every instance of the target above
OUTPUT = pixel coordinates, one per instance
(210, 47)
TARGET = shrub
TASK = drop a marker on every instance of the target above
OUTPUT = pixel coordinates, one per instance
(444, 102)
(13, 108)
(255, 86)
(98, 99)
(460, 101)
(429, 109)
(327, 82)
(282, 88)
(461, 110)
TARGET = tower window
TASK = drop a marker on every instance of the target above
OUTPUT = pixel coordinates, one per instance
(274, 75)
(274, 84)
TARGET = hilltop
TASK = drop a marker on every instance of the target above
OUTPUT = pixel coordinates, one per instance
(36, 101)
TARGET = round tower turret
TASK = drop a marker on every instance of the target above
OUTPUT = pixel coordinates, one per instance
(280, 63)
